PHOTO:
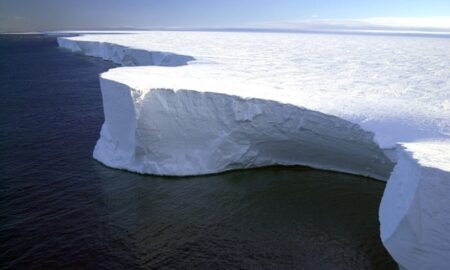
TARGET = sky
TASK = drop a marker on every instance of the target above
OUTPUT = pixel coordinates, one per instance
(48, 15)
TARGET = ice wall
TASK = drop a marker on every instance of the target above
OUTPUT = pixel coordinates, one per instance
(187, 120)
(186, 132)
(205, 118)
(122, 55)
(415, 209)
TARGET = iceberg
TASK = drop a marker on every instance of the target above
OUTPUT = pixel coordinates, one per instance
(153, 126)
(415, 208)
(189, 103)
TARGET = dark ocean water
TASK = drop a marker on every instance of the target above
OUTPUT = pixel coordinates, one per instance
(60, 209)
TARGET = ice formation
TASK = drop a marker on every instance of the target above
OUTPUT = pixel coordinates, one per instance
(156, 127)
(123, 55)
(415, 209)
(238, 100)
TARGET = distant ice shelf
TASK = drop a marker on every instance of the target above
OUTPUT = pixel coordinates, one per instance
(198, 103)
(125, 56)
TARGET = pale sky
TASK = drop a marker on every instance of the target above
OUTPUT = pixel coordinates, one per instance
(45, 15)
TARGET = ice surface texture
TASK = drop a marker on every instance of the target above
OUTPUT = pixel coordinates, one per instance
(238, 100)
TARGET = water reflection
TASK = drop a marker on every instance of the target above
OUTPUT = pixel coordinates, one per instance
(271, 217)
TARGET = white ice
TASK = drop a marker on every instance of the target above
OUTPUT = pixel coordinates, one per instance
(233, 99)
(397, 87)
(415, 209)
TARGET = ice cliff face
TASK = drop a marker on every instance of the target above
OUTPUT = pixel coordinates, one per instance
(156, 124)
(181, 132)
(415, 209)
(233, 108)
(124, 56)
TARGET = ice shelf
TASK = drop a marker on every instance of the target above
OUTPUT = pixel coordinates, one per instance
(212, 102)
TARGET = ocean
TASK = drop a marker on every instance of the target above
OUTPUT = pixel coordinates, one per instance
(61, 209)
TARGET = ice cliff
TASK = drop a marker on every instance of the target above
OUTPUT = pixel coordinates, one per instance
(165, 130)
(224, 110)
(415, 209)
(125, 56)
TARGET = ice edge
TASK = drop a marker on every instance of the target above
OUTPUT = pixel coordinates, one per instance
(402, 242)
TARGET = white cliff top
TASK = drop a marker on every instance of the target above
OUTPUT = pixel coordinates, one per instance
(397, 87)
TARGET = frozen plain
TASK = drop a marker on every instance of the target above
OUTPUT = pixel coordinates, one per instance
(396, 87)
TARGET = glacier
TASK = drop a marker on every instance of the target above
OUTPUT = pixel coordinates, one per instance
(188, 103)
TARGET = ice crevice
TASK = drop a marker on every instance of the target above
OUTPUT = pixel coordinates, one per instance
(164, 116)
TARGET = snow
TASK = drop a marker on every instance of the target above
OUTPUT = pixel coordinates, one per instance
(238, 100)
(375, 81)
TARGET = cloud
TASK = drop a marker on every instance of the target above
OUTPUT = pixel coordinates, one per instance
(386, 23)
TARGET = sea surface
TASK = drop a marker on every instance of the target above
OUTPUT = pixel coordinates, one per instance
(60, 209)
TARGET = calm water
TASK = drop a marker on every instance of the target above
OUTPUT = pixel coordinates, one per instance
(61, 209)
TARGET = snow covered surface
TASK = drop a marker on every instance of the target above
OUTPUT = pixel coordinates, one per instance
(236, 100)
(397, 87)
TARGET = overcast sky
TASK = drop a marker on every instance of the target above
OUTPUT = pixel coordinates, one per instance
(42, 15)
